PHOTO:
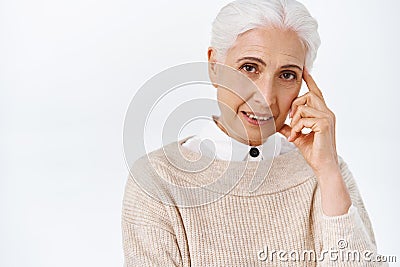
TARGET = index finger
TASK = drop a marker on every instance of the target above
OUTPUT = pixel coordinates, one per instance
(312, 86)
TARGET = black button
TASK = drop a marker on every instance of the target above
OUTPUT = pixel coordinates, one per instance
(254, 152)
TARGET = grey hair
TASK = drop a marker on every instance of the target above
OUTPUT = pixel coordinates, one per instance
(242, 15)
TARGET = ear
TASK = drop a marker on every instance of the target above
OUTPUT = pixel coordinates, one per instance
(212, 65)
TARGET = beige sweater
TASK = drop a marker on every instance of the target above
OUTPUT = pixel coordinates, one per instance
(168, 221)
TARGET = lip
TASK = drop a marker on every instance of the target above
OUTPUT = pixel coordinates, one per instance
(255, 122)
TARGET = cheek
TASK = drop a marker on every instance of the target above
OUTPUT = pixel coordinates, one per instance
(228, 100)
(286, 100)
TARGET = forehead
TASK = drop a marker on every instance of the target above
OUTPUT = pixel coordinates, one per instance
(270, 44)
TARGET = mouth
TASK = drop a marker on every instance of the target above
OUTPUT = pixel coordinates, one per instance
(255, 118)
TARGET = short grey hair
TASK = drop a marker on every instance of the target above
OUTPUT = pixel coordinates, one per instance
(242, 15)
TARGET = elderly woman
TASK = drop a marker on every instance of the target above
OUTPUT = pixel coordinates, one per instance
(306, 212)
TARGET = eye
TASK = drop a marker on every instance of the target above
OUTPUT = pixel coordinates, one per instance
(249, 68)
(289, 76)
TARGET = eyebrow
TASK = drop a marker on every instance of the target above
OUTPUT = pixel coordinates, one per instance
(259, 60)
(291, 66)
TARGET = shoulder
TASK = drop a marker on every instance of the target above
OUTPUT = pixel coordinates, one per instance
(154, 158)
(143, 202)
(151, 168)
(159, 173)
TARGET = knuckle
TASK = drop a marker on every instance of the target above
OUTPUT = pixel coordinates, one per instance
(331, 116)
(325, 123)
(297, 126)
(301, 122)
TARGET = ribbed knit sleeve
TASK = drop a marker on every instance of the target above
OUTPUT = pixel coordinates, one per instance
(148, 238)
(349, 233)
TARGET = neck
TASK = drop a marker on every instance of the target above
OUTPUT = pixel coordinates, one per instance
(220, 124)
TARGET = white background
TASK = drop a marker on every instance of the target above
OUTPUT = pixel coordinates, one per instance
(68, 70)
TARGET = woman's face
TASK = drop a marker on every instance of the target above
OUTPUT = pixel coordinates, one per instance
(273, 59)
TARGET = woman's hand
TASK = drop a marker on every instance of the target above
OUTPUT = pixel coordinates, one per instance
(310, 111)
(319, 146)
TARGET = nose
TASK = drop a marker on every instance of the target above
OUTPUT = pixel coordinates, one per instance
(265, 93)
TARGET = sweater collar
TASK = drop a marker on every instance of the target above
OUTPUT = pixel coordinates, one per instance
(214, 178)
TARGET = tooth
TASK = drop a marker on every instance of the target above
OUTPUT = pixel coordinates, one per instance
(252, 116)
